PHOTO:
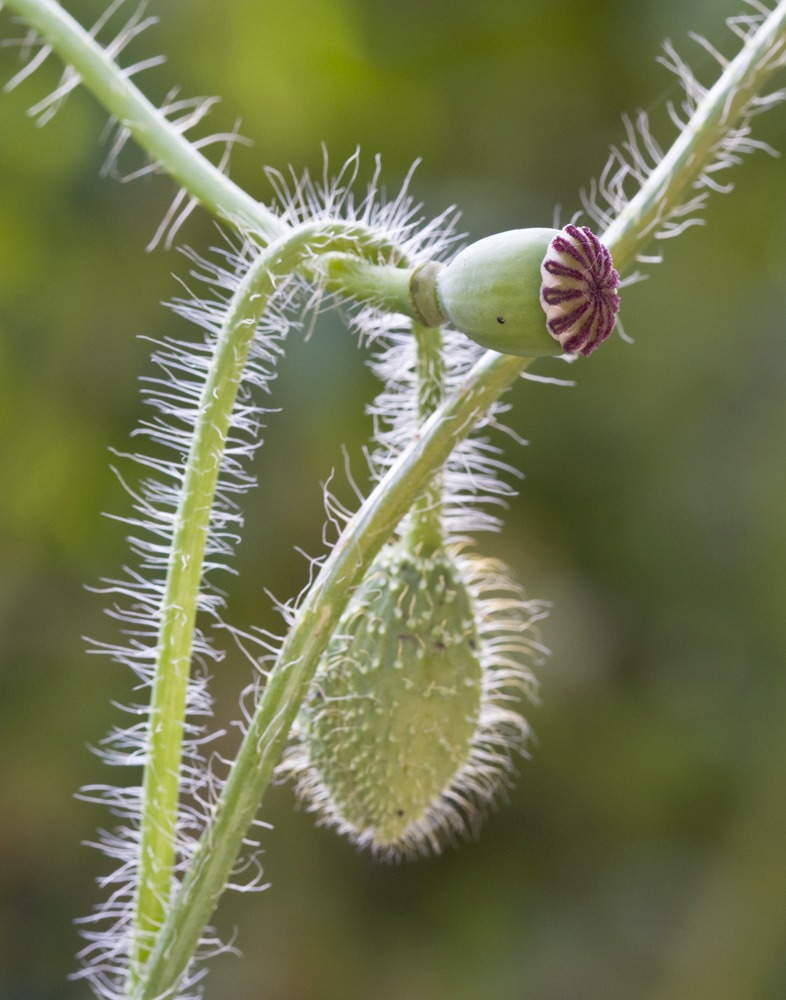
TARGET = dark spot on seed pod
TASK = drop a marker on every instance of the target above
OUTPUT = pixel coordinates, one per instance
(399, 812)
(439, 645)
(500, 319)
(406, 635)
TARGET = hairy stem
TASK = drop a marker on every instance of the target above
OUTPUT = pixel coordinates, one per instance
(158, 137)
(724, 104)
(288, 682)
(178, 157)
(179, 607)
(716, 114)
(393, 497)
(184, 574)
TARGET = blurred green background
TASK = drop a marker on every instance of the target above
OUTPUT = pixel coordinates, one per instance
(643, 853)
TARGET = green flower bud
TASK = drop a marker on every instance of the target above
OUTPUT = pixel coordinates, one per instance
(491, 293)
(397, 698)
(402, 736)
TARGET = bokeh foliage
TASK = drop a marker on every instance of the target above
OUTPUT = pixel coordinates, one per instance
(641, 854)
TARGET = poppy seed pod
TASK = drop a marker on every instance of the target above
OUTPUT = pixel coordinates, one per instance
(490, 292)
(497, 290)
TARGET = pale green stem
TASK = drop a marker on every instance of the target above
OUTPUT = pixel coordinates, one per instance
(424, 528)
(381, 284)
(152, 131)
(184, 573)
(175, 154)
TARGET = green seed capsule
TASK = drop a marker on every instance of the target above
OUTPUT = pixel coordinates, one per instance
(491, 293)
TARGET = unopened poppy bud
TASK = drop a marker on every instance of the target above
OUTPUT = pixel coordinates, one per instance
(406, 733)
(579, 291)
(395, 704)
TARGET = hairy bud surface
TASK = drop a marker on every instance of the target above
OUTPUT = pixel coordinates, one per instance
(406, 734)
(397, 699)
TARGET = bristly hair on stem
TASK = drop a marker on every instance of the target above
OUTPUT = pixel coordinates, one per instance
(660, 207)
(360, 541)
(48, 107)
(182, 114)
(138, 596)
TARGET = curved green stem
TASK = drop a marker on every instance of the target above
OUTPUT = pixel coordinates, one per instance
(367, 531)
(184, 574)
(179, 607)
(384, 284)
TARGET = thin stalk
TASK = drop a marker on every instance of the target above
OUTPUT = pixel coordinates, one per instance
(424, 529)
(367, 531)
(382, 285)
(288, 682)
(184, 573)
